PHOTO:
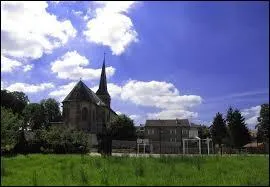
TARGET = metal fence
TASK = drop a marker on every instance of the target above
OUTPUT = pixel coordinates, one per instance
(157, 147)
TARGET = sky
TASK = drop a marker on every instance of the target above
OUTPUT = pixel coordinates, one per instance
(164, 60)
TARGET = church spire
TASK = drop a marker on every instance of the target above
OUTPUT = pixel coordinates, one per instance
(102, 90)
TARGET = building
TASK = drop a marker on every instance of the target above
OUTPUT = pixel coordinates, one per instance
(85, 110)
(166, 136)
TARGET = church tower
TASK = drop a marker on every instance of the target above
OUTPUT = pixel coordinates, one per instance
(102, 91)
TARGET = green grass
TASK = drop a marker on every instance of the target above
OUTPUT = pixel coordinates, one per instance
(38, 169)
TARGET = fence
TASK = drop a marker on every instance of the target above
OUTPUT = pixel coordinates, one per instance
(157, 147)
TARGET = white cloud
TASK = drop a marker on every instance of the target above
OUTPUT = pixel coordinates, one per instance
(77, 13)
(161, 95)
(70, 66)
(3, 85)
(251, 115)
(8, 65)
(27, 67)
(62, 91)
(172, 114)
(118, 112)
(29, 88)
(111, 26)
(28, 30)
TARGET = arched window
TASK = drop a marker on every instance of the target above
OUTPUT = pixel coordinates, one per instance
(84, 113)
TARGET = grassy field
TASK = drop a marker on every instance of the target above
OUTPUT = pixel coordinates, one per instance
(37, 169)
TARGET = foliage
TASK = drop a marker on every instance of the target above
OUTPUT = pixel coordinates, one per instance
(10, 125)
(204, 132)
(16, 101)
(64, 140)
(51, 110)
(34, 116)
(126, 171)
(238, 131)
(263, 125)
(122, 128)
(218, 129)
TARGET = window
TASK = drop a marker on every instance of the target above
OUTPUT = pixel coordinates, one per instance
(153, 131)
(84, 113)
(185, 131)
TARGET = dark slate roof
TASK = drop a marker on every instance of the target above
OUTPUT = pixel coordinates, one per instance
(102, 90)
(82, 93)
(171, 123)
(195, 125)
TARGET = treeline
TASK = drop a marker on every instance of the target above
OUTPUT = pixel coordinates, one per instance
(232, 130)
(26, 127)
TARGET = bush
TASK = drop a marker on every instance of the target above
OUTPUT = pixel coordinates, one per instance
(59, 140)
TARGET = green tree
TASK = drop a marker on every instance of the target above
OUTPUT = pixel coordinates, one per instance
(51, 110)
(238, 130)
(34, 116)
(14, 100)
(10, 128)
(204, 132)
(263, 125)
(218, 130)
(123, 128)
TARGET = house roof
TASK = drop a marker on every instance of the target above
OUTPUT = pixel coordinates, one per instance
(170, 122)
(82, 93)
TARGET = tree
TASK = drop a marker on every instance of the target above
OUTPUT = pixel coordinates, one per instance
(51, 110)
(204, 132)
(263, 125)
(123, 128)
(218, 130)
(34, 116)
(14, 100)
(238, 131)
(10, 128)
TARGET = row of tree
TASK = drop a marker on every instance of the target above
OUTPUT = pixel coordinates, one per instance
(232, 130)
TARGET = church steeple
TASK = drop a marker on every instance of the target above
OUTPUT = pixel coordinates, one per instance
(102, 91)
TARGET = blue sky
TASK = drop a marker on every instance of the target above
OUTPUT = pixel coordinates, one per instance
(164, 59)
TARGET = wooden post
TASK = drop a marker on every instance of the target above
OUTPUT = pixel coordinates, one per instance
(183, 146)
(208, 145)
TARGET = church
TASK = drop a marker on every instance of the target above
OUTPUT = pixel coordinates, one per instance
(87, 110)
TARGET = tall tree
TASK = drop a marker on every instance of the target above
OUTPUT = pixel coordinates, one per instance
(51, 110)
(218, 130)
(34, 116)
(263, 125)
(238, 130)
(123, 128)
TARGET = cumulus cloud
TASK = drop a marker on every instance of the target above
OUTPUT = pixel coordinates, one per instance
(111, 26)
(172, 114)
(8, 65)
(251, 115)
(29, 88)
(27, 67)
(157, 94)
(28, 30)
(71, 66)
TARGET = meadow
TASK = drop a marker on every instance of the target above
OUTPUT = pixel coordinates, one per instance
(51, 169)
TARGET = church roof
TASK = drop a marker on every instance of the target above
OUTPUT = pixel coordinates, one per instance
(82, 92)
(102, 90)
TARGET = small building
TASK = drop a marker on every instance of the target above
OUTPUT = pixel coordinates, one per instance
(166, 136)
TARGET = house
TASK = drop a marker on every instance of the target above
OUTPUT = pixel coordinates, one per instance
(166, 136)
(88, 111)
